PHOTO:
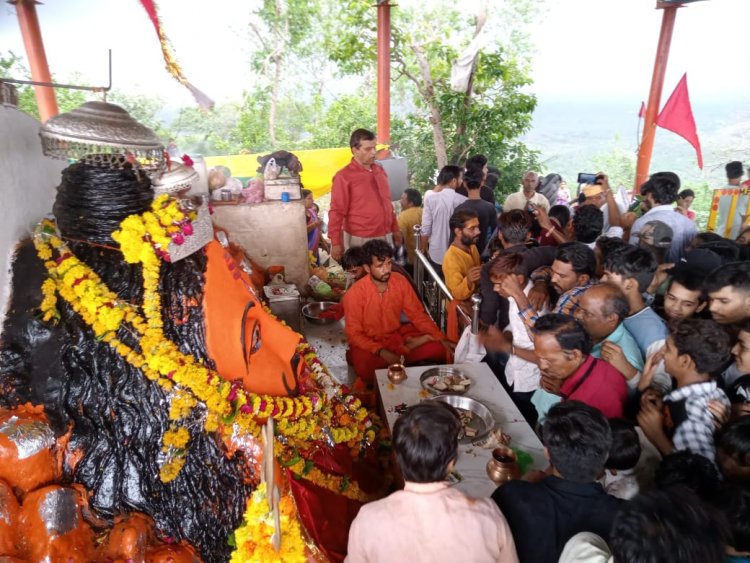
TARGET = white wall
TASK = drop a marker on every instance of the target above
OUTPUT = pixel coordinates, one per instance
(28, 181)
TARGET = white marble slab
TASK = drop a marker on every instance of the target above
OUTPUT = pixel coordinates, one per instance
(472, 460)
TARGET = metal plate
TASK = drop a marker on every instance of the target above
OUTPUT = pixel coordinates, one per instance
(312, 312)
(482, 422)
(443, 371)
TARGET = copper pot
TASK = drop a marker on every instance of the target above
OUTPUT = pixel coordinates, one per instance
(503, 466)
(396, 373)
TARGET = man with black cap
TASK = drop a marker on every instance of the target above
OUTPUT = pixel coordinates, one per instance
(656, 237)
(659, 193)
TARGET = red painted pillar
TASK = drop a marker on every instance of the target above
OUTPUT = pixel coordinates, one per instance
(654, 96)
(384, 72)
(32, 40)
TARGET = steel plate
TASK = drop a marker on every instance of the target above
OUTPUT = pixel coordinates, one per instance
(482, 422)
(443, 371)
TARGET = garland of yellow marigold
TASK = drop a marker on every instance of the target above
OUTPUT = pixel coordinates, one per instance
(325, 416)
(253, 538)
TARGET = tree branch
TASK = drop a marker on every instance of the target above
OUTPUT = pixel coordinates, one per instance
(438, 138)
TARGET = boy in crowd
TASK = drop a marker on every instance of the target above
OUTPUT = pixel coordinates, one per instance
(632, 269)
(734, 504)
(728, 290)
(733, 451)
(428, 520)
(695, 351)
(738, 390)
(669, 525)
(684, 296)
(521, 374)
(544, 515)
(619, 471)
(658, 526)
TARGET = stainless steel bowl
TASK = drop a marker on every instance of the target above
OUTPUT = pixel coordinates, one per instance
(482, 422)
(312, 312)
(442, 371)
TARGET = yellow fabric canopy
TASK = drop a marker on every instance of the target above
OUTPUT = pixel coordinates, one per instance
(318, 166)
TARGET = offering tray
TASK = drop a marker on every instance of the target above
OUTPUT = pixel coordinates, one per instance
(481, 421)
(445, 374)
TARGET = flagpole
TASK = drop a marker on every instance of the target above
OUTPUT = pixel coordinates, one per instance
(646, 148)
(28, 22)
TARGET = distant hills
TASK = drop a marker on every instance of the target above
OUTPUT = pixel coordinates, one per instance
(571, 134)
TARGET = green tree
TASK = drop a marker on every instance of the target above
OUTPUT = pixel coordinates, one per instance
(486, 114)
(293, 116)
(283, 29)
(619, 164)
(343, 115)
(208, 132)
(11, 66)
(144, 109)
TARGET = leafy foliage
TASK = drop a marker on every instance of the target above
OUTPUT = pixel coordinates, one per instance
(144, 109)
(619, 164)
(12, 66)
(209, 133)
(344, 115)
(486, 119)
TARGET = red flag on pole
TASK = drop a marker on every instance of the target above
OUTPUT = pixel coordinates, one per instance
(677, 116)
(642, 111)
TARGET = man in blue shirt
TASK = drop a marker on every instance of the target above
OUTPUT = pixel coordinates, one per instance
(601, 311)
(632, 269)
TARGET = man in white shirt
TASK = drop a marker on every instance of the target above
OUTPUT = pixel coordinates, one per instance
(521, 371)
(659, 193)
(429, 520)
(527, 195)
(438, 208)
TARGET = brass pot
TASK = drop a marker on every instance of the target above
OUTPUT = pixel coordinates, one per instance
(503, 466)
(396, 373)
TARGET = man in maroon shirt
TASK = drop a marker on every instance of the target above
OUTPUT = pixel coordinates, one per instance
(563, 350)
(361, 207)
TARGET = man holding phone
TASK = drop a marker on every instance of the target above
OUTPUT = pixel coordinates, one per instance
(527, 197)
(598, 192)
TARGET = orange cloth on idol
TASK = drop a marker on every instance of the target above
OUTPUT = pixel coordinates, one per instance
(244, 341)
(372, 317)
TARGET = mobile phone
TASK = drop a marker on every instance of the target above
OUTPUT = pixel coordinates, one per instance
(586, 178)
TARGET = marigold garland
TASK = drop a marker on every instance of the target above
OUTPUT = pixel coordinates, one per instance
(324, 414)
(343, 485)
(253, 537)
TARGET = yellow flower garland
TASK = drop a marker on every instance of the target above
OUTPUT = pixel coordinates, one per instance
(324, 416)
(253, 538)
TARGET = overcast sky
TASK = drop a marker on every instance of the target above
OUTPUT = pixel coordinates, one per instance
(595, 49)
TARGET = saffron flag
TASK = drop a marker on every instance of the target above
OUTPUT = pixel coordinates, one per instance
(677, 116)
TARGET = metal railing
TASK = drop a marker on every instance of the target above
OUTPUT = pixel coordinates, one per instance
(435, 294)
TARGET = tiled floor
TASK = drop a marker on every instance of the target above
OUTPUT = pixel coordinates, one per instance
(330, 343)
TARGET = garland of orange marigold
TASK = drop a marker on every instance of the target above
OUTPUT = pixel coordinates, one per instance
(326, 416)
